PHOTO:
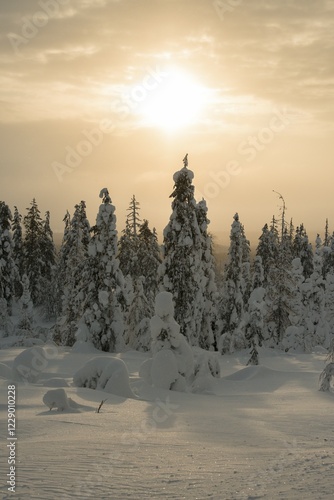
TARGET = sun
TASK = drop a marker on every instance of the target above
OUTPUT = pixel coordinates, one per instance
(175, 103)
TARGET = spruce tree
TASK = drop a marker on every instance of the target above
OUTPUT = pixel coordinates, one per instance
(255, 325)
(257, 311)
(72, 258)
(258, 274)
(18, 256)
(32, 251)
(208, 294)
(62, 266)
(137, 330)
(149, 260)
(133, 218)
(268, 248)
(328, 257)
(280, 291)
(128, 252)
(302, 249)
(48, 252)
(180, 272)
(232, 298)
(128, 246)
(8, 270)
(102, 322)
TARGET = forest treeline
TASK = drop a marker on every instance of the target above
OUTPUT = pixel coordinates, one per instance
(101, 287)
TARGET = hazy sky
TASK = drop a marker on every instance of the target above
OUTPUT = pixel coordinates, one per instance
(114, 93)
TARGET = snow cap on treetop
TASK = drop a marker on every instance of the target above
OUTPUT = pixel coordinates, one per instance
(104, 194)
(184, 171)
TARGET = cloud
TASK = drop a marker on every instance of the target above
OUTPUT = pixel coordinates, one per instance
(265, 49)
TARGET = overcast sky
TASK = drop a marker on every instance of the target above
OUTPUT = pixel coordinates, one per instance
(114, 93)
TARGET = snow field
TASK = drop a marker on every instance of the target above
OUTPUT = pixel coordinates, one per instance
(263, 432)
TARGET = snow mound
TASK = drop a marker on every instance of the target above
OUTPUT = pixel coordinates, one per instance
(251, 372)
(107, 374)
(29, 364)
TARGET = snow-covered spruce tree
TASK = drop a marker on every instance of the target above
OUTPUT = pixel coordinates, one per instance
(257, 309)
(268, 248)
(255, 323)
(102, 322)
(72, 257)
(258, 274)
(180, 271)
(8, 270)
(18, 257)
(128, 252)
(32, 251)
(149, 260)
(246, 268)
(48, 252)
(61, 266)
(128, 245)
(137, 330)
(329, 300)
(133, 215)
(302, 249)
(328, 257)
(232, 310)
(280, 291)
(138, 254)
(310, 324)
(208, 292)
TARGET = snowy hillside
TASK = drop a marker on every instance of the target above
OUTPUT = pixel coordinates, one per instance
(262, 432)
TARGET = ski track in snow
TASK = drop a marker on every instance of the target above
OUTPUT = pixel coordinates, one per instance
(267, 433)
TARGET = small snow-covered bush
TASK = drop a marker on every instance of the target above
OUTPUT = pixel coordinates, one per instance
(57, 398)
(107, 374)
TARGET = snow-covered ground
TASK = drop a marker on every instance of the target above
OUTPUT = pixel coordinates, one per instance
(264, 432)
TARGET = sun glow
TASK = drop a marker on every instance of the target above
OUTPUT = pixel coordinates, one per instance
(175, 103)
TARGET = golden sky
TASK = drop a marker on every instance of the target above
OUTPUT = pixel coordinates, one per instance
(114, 93)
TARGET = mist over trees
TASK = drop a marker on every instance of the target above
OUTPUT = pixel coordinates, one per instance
(100, 286)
